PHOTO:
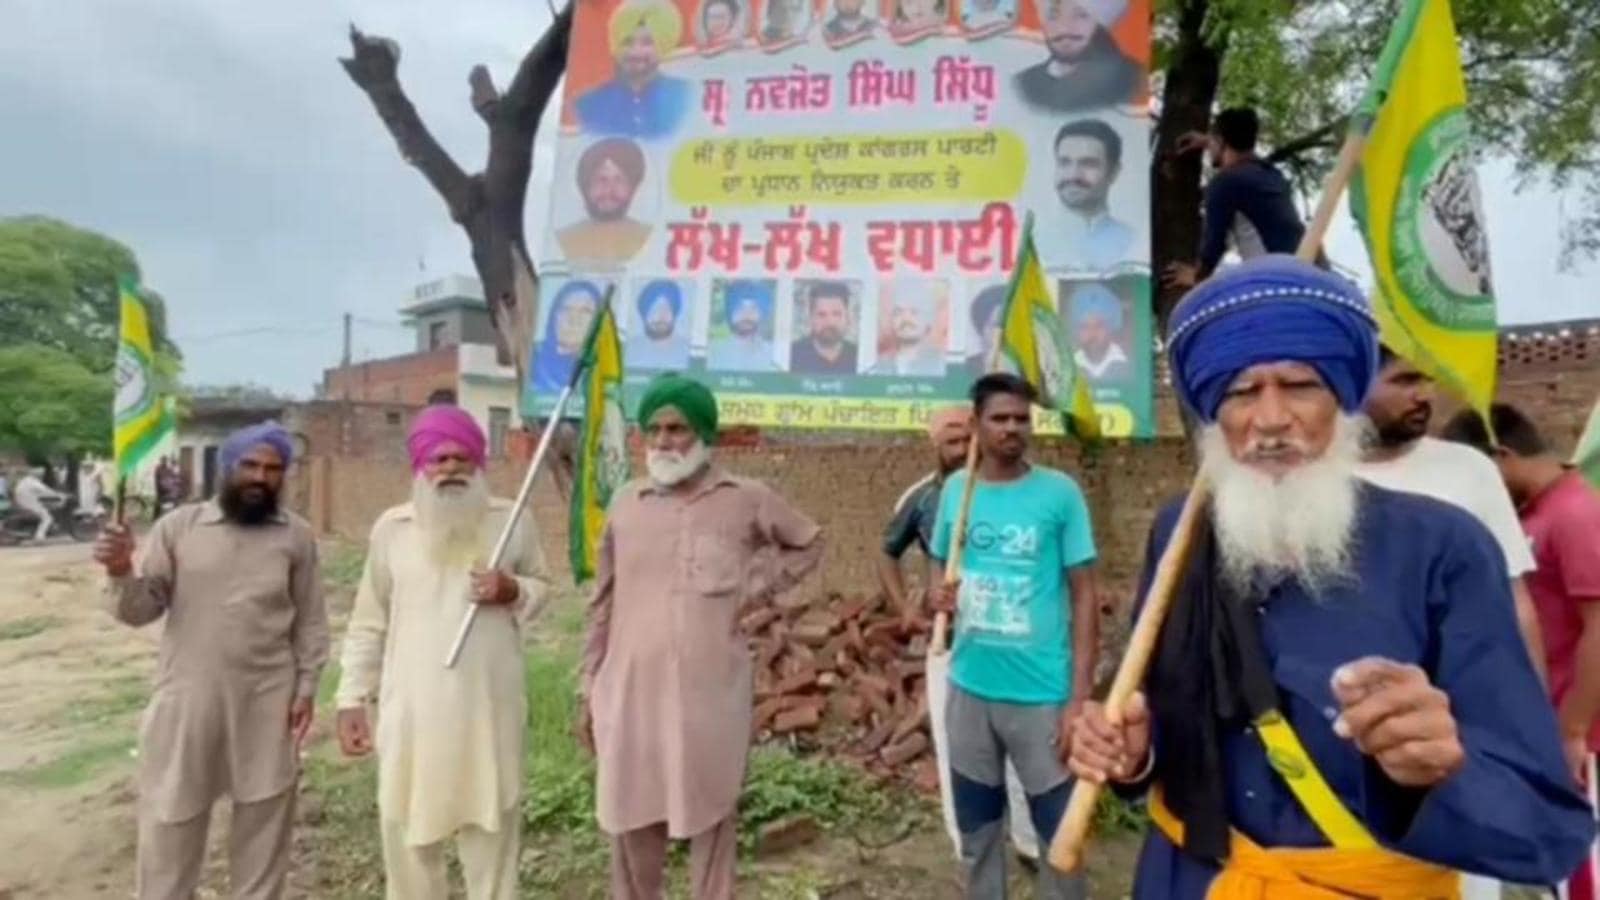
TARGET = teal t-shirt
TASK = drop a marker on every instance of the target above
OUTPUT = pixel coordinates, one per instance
(1013, 618)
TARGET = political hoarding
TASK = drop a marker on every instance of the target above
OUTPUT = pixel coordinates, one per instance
(815, 205)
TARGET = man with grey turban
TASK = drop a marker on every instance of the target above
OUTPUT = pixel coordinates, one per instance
(1086, 69)
(244, 642)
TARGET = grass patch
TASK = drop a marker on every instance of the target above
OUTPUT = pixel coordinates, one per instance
(124, 697)
(27, 627)
(341, 564)
(72, 768)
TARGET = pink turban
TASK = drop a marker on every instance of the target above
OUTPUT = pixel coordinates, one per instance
(439, 425)
(949, 422)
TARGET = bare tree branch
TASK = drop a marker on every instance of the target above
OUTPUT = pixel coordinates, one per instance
(485, 96)
(541, 69)
(374, 66)
(1326, 137)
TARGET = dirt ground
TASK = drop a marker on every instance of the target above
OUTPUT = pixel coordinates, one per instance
(74, 682)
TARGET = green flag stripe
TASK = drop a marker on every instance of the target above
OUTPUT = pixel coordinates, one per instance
(1394, 51)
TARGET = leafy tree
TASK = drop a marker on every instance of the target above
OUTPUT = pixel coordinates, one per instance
(59, 312)
(52, 406)
(1533, 79)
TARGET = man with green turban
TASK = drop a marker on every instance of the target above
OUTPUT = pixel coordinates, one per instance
(666, 691)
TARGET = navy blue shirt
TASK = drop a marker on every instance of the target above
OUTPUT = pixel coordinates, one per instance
(1252, 198)
(1431, 590)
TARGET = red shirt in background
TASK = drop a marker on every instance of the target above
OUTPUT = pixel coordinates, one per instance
(1563, 525)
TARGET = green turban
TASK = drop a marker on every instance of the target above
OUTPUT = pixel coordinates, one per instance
(689, 397)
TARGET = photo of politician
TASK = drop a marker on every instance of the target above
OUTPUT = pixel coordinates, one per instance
(849, 23)
(984, 312)
(1099, 320)
(573, 305)
(607, 179)
(740, 338)
(909, 19)
(786, 23)
(659, 333)
(986, 17)
(638, 101)
(1075, 229)
(829, 311)
(722, 25)
(1085, 68)
(913, 327)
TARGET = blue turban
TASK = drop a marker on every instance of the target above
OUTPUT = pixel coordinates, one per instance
(661, 289)
(1099, 301)
(738, 292)
(268, 433)
(1271, 309)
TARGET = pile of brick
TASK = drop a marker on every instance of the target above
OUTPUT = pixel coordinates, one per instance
(844, 677)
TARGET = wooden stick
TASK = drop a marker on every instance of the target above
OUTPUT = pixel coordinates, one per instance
(119, 498)
(958, 544)
(1355, 143)
(1066, 849)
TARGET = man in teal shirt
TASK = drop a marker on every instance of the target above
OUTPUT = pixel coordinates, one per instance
(1016, 683)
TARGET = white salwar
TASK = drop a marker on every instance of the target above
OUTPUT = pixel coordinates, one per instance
(449, 742)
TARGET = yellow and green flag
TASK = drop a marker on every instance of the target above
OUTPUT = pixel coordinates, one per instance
(1587, 456)
(1033, 341)
(602, 445)
(141, 416)
(1416, 198)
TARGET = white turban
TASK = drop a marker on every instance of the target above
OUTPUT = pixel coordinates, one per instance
(1106, 12)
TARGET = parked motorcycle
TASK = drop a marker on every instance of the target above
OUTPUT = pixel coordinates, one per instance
(17, 525)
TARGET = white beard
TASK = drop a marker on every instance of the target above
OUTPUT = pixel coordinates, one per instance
(451, 518)
(1298, 525)
(668, 469)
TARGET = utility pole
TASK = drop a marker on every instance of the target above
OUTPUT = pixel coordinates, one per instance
(345, 359)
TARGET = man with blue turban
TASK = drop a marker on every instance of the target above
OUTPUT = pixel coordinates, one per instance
(661, 342)
(1339, 704)
(244, 642)
(1097, 318)
(666, 692)
(747, 312)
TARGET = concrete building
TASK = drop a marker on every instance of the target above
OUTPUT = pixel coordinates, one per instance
(454, 361)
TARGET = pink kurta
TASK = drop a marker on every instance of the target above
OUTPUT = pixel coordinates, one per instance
(666, 670)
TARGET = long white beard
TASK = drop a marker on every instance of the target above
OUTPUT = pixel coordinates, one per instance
(1300, 524)
(668, 469)
(451, 518)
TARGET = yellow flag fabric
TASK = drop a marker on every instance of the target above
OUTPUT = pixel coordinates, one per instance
(141, 417)
(1587, 456)
(1032, 340)
(603, 444)
(1416, 198)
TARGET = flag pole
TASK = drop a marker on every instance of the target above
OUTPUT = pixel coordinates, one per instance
(526, 490)
(1066, 849)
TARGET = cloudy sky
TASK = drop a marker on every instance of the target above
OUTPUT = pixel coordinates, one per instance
(221, 140)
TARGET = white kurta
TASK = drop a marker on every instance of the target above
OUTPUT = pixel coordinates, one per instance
(449, 741)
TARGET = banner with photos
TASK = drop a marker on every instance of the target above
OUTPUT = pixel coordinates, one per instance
(814, 205)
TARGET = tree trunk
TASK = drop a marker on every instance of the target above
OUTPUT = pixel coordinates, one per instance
(1175, 192)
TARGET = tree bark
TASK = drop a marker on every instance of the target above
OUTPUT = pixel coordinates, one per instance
(1175, 192)
(488, 205)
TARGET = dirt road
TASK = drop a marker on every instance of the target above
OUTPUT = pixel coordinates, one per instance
(74, 683)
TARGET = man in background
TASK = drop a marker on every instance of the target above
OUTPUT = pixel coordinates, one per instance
(1402, 457)
(660, 343)
(609, 174)
(451, 762)
(245, 639)
(1561, 514)
(31, 494)
(1086, 69)
(1247, 201)
(985, 313)
(1081, 233)
(1026, 635)
(826, 349)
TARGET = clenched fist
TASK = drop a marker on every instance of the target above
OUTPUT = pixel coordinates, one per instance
(113, 550)
(1102, 751)
(355, 734)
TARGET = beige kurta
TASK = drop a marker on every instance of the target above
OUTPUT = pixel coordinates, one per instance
(666, 671)
(246, 633)
(449, 741)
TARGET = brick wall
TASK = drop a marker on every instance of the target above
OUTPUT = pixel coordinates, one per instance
(850, 488)
(407, 379)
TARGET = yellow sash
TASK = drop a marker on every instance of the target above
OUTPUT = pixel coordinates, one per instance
(1355, 866)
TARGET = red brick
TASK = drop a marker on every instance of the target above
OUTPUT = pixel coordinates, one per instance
(877, 737)
(883, 634)
(786, 834)
(925, 776)
(874, 684)
(753, 622)
(797, 719)
(800, 681)
(906, 750)
(765, 712)
(852, 631)
(793, 603)
(916, 718)
(812, 634)
(910, 668)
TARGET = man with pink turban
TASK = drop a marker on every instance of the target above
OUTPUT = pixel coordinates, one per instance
(449, 743)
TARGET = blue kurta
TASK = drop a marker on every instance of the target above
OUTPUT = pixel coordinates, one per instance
(1432, 591)
(615, 109)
